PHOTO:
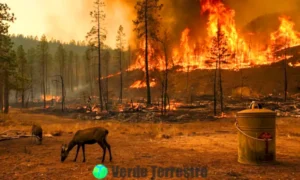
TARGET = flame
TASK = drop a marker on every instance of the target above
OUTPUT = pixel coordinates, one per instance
(285, 35)
(189, 55)
(49, 98)
(141, 84)
(297, 64)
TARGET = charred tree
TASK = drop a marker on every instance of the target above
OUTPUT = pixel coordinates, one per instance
(120, 46)
(106, 92)
(147, 24)
(165, 42)
(285, 70)
(96, 37)
(219, 53)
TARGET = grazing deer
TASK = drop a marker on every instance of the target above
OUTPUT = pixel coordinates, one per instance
(37, 132)
(87, 136)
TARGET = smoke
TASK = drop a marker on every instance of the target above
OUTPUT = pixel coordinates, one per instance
(247, 10)
(71, 19)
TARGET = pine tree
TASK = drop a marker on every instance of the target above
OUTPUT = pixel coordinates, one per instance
(120, 46)
(147, 24)
(7, 56)
(71, 70)
(165, 42)
(96, 37)
(43, 56)
(22, 63)
(219, 53)
(31, 57)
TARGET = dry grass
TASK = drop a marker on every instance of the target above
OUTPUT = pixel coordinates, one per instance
(210, 143)
(57, 125)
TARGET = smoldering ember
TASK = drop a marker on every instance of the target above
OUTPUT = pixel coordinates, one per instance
(149, 83)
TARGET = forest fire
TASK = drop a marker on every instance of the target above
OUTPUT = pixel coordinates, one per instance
(49, 98)
(141, 84)
(295, 64)
(285, 36)
(241, 53)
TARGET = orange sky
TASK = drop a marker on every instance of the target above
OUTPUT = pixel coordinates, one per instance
(67, 19)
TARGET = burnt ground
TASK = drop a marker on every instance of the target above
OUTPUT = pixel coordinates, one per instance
(200, 143)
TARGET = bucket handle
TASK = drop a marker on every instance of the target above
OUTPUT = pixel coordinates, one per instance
(237, 127)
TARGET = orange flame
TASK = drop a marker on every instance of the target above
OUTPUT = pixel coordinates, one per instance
(284, 37)
(49, 98)
(140, 84)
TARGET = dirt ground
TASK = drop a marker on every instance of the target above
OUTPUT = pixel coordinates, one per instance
(203, 143)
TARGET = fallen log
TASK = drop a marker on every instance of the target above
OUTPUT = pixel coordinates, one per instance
(4, 138)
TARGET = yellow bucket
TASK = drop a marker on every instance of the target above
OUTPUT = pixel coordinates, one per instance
(256, 135)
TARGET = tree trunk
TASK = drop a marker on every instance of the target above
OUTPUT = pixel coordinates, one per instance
(121, 78)
(6, 92)
(187, 83)
(242, 83)
(166, 80)
(31, 90)
(285, 79)
(44, 77)
(46, 74)
(215, 90)
(62, 94)
(162, 98)
(1, 92)
(220, 85)
(23, 88)
(106, 82)
(16, 97)
(23, 98)
(71, 73)
(76, 72)
(99, 62)
(146, 56)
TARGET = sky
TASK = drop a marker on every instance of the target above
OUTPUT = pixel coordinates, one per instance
(67, 19)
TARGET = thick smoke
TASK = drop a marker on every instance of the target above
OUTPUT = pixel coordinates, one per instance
(177, 15)
(247, 10)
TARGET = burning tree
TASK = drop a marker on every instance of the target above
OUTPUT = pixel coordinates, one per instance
(165, 42)
(281, 40)
(147, 24)
(96, 37)
(120, 46)
(219, 52)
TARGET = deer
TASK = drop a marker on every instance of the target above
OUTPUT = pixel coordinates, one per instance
(37, 132)
(87, 136)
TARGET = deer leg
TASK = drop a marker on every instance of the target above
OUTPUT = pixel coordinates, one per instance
(104, 150)
(78, 147)
(83, 151)
(108, 147)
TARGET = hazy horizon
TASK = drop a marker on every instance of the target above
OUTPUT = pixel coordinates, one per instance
(66, 20)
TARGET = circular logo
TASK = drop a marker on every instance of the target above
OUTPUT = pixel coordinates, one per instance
(100, 171)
